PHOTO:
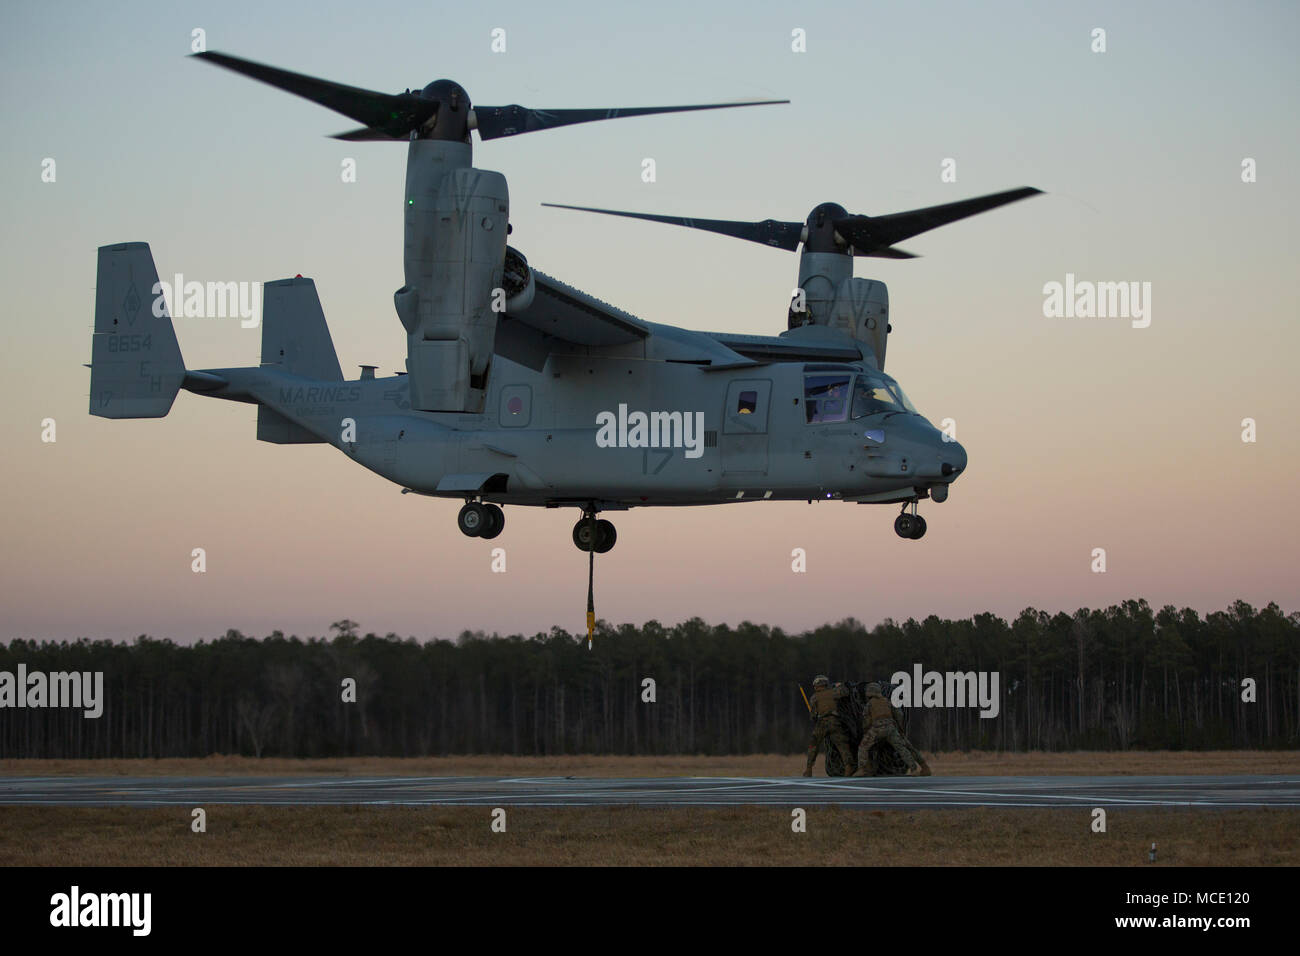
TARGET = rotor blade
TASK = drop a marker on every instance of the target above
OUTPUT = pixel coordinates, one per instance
(497, 121)
(890, 252)
(869, 234)
(770, 232)
(395, 115)
(366, 134)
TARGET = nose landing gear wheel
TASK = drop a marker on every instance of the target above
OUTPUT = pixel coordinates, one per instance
(473, 520)
(909, 526)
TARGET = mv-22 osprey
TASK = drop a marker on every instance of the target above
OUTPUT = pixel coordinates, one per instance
(522, 390)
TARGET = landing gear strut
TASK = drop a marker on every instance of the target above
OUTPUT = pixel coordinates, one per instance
(909, 525)
(477, 520)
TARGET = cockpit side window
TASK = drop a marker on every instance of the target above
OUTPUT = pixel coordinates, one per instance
(826, 397)
(874, 398)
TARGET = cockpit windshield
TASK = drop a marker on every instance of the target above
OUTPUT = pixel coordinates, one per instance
(874, 396)
(902, 396)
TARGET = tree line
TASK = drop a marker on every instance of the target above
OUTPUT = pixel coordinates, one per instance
(1124, 677)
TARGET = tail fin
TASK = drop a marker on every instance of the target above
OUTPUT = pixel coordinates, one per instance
(135, 363)
(294, 334)
(296, 338)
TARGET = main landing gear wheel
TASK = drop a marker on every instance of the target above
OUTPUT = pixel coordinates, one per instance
(474, 519)
(496, 522)
(604, 531)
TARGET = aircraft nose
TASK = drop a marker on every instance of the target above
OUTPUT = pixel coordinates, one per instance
(953, 457)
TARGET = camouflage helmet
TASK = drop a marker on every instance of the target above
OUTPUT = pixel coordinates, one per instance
(821, 680)
(873, 690)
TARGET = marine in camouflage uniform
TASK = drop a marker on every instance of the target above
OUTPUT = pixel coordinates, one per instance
(824, 705)
(879, 723)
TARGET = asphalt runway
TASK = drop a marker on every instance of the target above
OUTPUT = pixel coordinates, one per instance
(900, 793)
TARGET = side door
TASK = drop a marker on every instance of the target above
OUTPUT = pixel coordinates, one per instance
(743, 442)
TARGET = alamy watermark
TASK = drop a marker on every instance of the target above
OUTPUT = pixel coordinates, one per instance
(77, 689)
(209, 300)
(922, 688)
(1098, 300)
(76, 909)
(651, 430)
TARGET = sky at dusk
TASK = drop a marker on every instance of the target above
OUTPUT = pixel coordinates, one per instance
(1082, 433)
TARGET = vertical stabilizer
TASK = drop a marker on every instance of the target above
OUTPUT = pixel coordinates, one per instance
(135, 364)
(295, 338)
(294, 333)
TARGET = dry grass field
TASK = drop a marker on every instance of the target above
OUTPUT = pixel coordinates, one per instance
(957, 764)
(625, 836)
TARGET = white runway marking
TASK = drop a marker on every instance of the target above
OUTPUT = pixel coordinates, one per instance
(915, 793)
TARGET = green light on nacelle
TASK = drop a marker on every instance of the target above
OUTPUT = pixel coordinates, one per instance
(410, 202)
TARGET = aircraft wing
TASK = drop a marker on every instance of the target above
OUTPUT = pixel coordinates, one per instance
(563, 312)
(559, 312)
(790, 347)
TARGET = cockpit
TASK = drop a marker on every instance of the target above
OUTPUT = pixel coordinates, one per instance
(882, 445)
(837, 396)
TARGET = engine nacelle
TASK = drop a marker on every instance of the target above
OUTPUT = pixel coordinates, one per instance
(820, 275)
(456, 222)
(861, 309)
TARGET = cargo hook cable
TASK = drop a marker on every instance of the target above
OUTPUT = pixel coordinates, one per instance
(591, 578)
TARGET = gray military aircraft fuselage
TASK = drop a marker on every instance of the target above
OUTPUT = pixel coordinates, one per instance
(522, 390)
(622, 430)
